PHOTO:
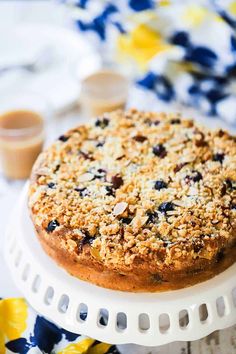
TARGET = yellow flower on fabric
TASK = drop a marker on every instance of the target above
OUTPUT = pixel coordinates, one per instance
(164, 2)
(2, 343)
(78, 348)
(142, 44)
(232, 8)
(100, 348)
(194, 15)
(13, 316)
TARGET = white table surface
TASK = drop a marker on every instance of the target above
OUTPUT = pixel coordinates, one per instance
(15, 12)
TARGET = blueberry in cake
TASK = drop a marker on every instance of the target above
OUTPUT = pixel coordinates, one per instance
(138, 201)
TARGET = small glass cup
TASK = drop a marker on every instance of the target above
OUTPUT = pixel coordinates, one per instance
(21, 133)
(103, 91)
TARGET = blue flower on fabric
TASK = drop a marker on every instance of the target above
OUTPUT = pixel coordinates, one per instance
(181, 38)
(194, 90)
(19, 345)
(227, 18)
(44, 337)
(233, 43)
(113, 350)
(80, 3)
(98, 24)
(148, 81)
(119, 27)
(196, 54)
(195, 93)
(159, 84)
(215, 95)
(210, 89)
(141, 5)
(202, 56)
(231, 69)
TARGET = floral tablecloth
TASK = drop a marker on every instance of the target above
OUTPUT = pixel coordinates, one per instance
(23, 331)
(181, 51)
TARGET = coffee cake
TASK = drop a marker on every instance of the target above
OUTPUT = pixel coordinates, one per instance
(138, 201)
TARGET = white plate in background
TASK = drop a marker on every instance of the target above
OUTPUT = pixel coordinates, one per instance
(57, 80)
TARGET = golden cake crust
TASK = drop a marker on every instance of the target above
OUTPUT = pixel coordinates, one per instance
(138, 201)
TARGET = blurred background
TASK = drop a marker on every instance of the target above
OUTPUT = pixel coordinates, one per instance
(64, 61)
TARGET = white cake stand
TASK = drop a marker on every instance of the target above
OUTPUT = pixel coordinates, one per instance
(147, 319)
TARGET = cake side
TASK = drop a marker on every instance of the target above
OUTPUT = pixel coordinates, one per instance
(138, 201)
(138, 279)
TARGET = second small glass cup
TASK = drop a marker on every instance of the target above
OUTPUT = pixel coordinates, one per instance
(103, 91)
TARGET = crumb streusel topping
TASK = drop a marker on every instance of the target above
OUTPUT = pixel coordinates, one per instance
(135, 185)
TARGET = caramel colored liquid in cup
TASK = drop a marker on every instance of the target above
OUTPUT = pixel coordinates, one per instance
(103, 91)
(21, 140)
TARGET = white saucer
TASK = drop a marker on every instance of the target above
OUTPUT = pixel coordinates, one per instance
(57, 81)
